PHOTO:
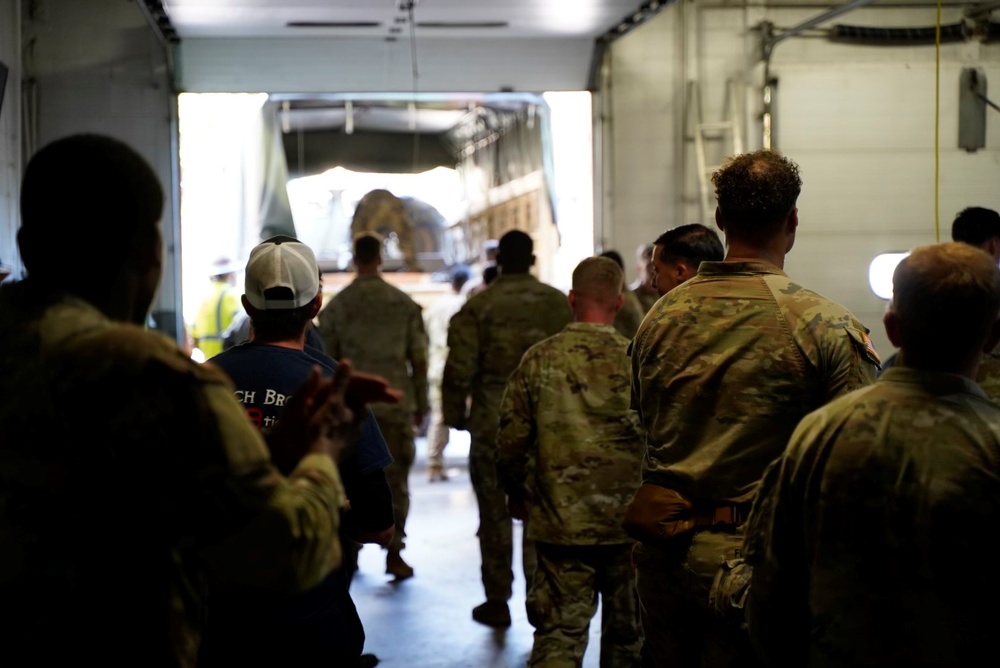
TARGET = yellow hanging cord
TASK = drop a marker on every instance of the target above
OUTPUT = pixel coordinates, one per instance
(937, 122)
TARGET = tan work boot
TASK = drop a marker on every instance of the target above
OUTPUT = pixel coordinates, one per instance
(436, 473)
(395, 566)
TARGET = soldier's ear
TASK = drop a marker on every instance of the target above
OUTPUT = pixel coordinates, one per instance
(892, 328)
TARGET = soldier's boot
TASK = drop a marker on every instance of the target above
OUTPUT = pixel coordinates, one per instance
(492, 613)
(395, 566)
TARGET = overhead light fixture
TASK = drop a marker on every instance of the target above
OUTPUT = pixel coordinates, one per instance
(880, 273)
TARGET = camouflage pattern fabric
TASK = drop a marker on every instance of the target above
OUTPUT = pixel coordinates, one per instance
(989, 376)
(678, 591)
(382, 212)
(129, 475)
(723, 368)
(568, 442)
(563, 600)
(381, 330)
(861, 535)
(727, 363)
(630, 316)
(486, 340)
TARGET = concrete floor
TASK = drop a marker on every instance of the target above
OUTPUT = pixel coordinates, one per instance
(425, 621)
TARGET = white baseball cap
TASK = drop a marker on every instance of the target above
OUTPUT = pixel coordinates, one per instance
(281, 262)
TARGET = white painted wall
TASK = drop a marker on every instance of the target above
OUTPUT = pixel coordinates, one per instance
(99, 67)
(859, 121)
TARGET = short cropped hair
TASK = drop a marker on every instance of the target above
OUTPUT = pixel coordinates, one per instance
(946, 298)
(86, 200)
(280, 324)
(975, 225)
(367, 249)
(515, 249)
(694, 242)
(599, 279)
(616, 256)
(756, 192)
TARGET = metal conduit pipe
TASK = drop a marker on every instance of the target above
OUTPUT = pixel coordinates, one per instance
(955, 32)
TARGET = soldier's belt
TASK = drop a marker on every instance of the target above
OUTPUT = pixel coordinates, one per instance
(657, 514)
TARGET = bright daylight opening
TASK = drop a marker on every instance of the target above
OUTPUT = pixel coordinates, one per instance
(219, 138)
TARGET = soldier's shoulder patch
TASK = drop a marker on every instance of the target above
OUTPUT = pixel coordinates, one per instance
(864, 343)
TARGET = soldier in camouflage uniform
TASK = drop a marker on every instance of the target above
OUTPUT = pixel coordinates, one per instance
(569, 457)
(129, 475)
(678, 252)
(979, 227)
(632, 312)
(381, 213)
(381, 330)
(723, 368)
(486, 340)
(861, 533)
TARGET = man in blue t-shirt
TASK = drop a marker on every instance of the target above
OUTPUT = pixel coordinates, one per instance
(282, 296)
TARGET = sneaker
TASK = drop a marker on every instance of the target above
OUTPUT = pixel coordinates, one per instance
(395, 566)
(492, 613)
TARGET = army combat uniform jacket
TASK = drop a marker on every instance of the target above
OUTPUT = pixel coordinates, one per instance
(381, 330)
(486, 340)
(568, 438)
(129, 477)
(726, 364)
(867, 536)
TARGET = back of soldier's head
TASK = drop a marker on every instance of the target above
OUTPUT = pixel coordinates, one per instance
(87, 202)
(515, 252)
(756, 192)
(976, 225)
(598, 279)
(694, 242)
(616, 256)
(946, 298)
(367, 249)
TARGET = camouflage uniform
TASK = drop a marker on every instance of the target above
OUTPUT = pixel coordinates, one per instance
(571, 447)
(128, 476)
(723, 368)
(862, 533)
(989, 376)
(486, 340)
(381, 330)
(630, 316)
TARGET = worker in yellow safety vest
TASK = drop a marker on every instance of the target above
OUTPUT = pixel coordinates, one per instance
(218, 310)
